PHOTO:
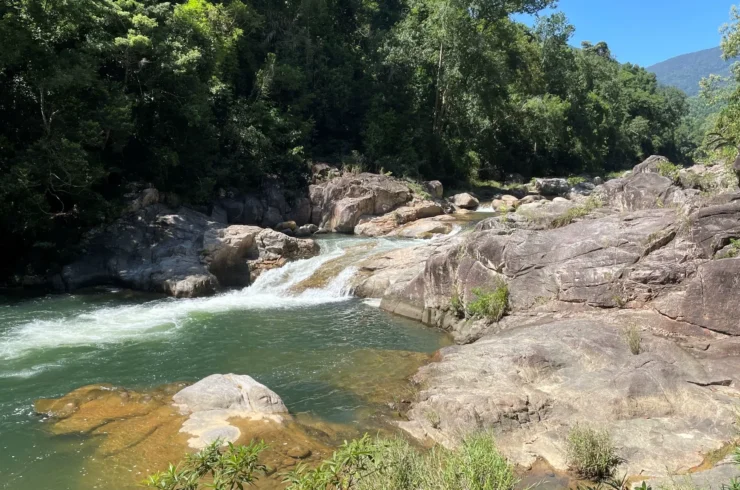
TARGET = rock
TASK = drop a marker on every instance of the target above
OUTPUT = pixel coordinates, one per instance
(144, 199)
(581, 189)
(182, 254)
(515, 178)
(509, 199)
(502, 206)
(306, 230)
(434, 188)
(530, 199)
(552, 187)
(286, 225)
(300, 212)
(229, 392)
(713, 179)
(219, 215)
(465, 201)
(715, 478)
(299, 452)
(598, 180)
(383, 225)
(423, 228)
(651, 164)
(642, 190)
(532, 383)
(338, 205)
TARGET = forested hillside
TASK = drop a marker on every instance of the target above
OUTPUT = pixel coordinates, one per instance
(199, 96)
(686, 71)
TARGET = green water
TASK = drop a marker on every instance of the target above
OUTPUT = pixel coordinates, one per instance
(292, 343)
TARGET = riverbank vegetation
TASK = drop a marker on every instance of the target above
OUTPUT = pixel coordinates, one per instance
(197, 97)
(361, 464)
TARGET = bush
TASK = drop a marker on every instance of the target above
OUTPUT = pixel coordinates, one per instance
(221, 468)
(574, 180)
(491, 304)
(668, 169)
(591, 453)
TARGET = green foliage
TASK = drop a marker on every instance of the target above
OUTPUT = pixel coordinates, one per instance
(732, 251)
(199, 96)
(668, 169)
(418, 189)
(457, 305)
(574, 180)
(591, 453)
(368, 464)
(213, 467)
(490, 303)
(576, 212)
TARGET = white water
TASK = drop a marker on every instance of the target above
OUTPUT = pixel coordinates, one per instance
(163, 318)
(486, 208)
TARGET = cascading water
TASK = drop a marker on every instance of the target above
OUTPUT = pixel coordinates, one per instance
(297, 340)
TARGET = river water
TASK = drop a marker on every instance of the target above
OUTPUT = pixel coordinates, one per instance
(294, 342)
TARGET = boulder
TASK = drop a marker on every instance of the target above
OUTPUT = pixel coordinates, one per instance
(651, 164)
(338, 205)
(423, 229)
(552, 187)
(306, 230)
(434, 188)
(642, 190)
(286, 225)
(229, 392)
(182, 253)
(509, 199)
(465, 201)
(383, 225)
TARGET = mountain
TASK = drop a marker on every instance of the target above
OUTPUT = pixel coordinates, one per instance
(687, 70)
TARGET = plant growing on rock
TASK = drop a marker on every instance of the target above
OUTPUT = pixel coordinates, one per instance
(457, 305)
(591, 453)
(634, 338)
(214, 467)
(574, 213)
(491, 304)
(574, 180)
(668, 169)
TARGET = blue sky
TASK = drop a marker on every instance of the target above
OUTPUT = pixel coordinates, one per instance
(647, 31)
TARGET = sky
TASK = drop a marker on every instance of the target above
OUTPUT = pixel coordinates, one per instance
(646, 32)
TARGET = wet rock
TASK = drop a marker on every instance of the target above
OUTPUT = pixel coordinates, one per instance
(307, 230)
(465, 201)
(423, 228)
(299, 452)
(286, 225)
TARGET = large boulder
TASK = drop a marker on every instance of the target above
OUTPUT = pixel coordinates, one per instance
(339, 204)
(384, 225)
(552, 187)
(182, 253)
(434, 188)
(213, 402)
(229, 392)
(465, 201)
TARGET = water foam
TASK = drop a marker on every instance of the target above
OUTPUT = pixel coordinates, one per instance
(163, 318)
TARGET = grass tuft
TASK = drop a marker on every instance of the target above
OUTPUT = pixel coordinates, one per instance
(634, 338)
(492, 304)
(576, 212)
(591, 453)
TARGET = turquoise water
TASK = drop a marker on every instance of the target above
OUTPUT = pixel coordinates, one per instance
(293, 343)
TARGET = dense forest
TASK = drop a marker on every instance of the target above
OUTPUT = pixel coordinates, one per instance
(198, 96)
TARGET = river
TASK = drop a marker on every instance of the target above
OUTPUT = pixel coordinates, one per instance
(297, 343)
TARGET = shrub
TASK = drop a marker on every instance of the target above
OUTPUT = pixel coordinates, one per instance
(477, 465)
(418, 189)
(668, 169)
(732, 251)
(221, 468)
(634, 339)
(492, 304)
(574, 180)
(591, 453)
(576, 212)
(456, 304)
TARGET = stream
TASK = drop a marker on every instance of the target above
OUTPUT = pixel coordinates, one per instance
(317, 348)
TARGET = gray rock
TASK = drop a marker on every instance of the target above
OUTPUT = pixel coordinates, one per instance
(552, 187)
(532, 383)
(338, 204)
(229, 392)
(650, 165)
(182, 254)
(465, 201)
(434, 188)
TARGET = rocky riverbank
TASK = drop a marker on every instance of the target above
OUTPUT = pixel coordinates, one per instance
(646, 256)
